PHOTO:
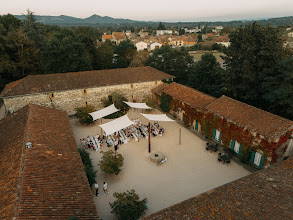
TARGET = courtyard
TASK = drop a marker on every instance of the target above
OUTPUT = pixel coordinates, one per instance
(189, 171)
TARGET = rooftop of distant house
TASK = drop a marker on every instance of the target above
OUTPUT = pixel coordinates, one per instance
(266, 194)
(107, 37)
(48, 180)
(82, 80)
(118, 35)
(252, 118)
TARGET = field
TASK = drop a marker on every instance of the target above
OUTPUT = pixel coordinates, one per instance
(197, 54)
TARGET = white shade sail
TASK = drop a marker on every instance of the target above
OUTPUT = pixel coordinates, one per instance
(159, 117)
(116, 125)
(104, 112)
(138, 105)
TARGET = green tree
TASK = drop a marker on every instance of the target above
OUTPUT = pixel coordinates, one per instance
(200, 38)
(127, 205)
(176, 62)
(83, 115)
(111, 162)
(65, 53)
(161, 26)
(125, 53)
(165, 102)
(253, 53)
(181, 31)
(88, 37)
(33, 30)
(207, 75)
(279, 89)
(105, 55)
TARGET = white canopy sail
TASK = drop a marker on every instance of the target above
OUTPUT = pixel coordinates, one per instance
(116, 125)
(138, 105)
(158, 117)
(104, 112)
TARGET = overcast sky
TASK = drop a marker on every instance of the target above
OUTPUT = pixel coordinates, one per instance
(154, 10)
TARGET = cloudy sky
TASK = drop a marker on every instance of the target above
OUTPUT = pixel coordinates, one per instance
(154, 10)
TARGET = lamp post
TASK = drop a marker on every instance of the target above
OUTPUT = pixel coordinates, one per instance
(149, 137)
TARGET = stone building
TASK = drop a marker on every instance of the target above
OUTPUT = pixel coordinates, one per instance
(67, 91)
(256, 136)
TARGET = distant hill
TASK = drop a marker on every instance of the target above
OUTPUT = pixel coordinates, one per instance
(97, 20)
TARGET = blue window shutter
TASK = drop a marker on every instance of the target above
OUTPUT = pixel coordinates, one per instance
(196, 125)
(220, 137)
(214, 134)
(261, 162)
(232, 144)
(252, 157)
(239, 153)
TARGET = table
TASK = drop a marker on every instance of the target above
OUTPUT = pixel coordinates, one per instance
(155, 156)
(212, 147)
(224, 157)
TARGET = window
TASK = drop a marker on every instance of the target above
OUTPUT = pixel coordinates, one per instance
(235, 146)
(131, 86)
(156, 82)
(52, 95)
(84, 91)
(196, 125)
(217, 135)
(257, 158)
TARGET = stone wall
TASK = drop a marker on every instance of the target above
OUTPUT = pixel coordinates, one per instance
(71, 99)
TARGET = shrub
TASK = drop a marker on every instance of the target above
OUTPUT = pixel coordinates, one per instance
(117, 98)
(88, 167)
(127, 205)
(83, 115)
(149, 101)
(111, 162)
(165, 102)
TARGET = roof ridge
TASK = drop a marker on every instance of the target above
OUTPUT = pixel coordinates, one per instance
(19, 182)
(257, 108)
(195, 90)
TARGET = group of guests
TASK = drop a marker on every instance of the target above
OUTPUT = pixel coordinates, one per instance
(95, 143)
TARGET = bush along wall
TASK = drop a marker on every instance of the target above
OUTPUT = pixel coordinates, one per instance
(88, 166)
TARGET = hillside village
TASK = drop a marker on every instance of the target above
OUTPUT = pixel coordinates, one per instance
(87, 133)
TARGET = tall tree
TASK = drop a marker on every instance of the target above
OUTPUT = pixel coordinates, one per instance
(161, 26)
(279, 89)
(125, 52)
(65, 53)
(176, 62)
(207, 76)
(253, 53)
(105, 55)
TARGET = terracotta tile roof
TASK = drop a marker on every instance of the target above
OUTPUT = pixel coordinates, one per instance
(118, 35)
(192, 97)
(10, 86)
(246, 116)
(52, 183)
(223, 39)
(79, 80)
(266, 194)
(107, 36)
(12, 136)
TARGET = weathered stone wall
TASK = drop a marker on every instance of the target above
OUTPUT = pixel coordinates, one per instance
(71, 99)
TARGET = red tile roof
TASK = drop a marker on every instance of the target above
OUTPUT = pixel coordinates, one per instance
(192, 97)
(79, 80)
(256, 120)
(118, 35)
(52, 183)
(266, 194)
(107, 36)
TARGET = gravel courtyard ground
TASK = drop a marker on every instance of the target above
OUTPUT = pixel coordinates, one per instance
(189, 171)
